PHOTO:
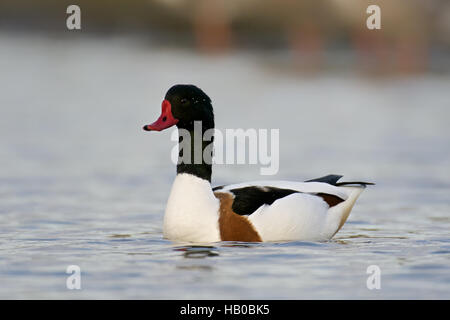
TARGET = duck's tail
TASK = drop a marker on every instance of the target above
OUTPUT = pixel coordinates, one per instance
(338, 215)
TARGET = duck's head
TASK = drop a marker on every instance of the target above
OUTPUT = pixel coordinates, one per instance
(182, 105)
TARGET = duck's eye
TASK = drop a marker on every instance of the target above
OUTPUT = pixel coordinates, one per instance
(184, 101)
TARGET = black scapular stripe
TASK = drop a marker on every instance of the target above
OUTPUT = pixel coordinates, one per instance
(248, 199)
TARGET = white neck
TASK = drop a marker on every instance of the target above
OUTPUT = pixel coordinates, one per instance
(192, 211)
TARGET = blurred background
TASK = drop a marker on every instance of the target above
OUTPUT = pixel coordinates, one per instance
(81, 183)
(318, 35)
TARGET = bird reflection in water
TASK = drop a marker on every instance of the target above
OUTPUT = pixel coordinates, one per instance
(204, 251)
(197, 252)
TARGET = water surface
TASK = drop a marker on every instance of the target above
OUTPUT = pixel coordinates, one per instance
(82, 184)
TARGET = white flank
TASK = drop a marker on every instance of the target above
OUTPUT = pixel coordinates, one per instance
(295, 217)
(301, 216)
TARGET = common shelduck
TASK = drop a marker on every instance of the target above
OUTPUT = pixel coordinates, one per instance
(313, 210)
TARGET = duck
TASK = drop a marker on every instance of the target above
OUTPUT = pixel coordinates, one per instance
(257, 211)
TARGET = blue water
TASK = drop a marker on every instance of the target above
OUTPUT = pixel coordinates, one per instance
(82, 184)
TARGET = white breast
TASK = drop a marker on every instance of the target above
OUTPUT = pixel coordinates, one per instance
(192, 211)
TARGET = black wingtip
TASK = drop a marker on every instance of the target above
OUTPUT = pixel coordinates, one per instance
(333, 180)
(330, 179)
(360, 183)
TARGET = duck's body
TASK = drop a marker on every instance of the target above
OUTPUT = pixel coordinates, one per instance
(285, 210)
(256, 211)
